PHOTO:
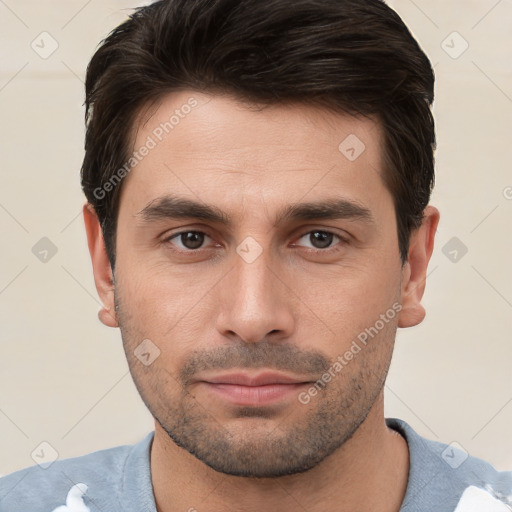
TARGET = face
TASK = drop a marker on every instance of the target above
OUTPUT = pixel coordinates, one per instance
(287, 264)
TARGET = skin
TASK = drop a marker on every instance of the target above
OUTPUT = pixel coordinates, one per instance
(295, 308)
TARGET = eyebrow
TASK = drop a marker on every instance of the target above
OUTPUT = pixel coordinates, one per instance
(173, 207)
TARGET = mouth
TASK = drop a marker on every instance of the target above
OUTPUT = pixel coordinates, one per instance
(254, 390)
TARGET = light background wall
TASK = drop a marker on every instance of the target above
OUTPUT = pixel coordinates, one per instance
(63, 375)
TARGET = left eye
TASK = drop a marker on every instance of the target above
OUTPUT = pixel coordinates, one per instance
(322, 239)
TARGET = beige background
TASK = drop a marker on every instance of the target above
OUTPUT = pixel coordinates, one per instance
(63, 375)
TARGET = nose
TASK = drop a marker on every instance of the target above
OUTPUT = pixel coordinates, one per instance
(256, 303)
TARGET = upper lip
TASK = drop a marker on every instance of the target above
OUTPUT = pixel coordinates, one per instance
(260, 379)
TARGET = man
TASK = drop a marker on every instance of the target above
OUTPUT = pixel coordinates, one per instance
(258, 174)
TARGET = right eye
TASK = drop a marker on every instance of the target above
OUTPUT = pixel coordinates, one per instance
(188, 241)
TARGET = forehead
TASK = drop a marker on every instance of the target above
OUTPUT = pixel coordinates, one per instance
(217, 149)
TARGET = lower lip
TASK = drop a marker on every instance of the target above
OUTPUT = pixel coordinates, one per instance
(254, 395)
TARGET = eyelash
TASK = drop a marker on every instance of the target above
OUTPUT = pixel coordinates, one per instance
(343, 241)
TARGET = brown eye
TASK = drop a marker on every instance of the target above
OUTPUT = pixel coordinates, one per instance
(189, 240)
(322, 240)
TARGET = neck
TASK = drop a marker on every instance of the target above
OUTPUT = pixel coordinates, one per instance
(369, 472)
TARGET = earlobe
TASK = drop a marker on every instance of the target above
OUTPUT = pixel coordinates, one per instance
(107, 317)
(102, 269)
(414, 272)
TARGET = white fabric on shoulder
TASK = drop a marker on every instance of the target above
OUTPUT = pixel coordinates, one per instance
(474, 499)
(74, 500)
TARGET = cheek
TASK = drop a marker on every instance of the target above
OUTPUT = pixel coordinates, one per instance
(172, 309)
(349, 299)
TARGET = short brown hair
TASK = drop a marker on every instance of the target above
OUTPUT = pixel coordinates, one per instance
(352, 56)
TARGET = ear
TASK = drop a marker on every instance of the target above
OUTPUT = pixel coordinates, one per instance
(103, 277)
(414, 272)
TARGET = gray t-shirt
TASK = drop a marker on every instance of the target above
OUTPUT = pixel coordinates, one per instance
(442, 478)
